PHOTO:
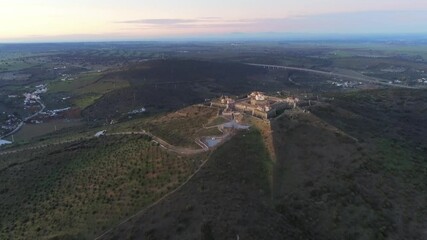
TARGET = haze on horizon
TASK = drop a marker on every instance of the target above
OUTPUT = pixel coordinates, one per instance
(86, 20)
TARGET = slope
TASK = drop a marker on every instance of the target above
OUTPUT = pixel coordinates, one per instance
(333, 187)
(228, 198)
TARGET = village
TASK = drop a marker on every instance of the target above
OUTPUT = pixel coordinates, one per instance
(11, 123)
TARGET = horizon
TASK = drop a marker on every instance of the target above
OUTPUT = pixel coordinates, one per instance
(240, 37)
(95, 20)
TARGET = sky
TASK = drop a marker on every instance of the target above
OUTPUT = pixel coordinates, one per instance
(86, 20)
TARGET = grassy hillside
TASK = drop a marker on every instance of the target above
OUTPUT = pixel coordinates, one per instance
(229, 197)
(344, 171)
(184, 126)
(78, 190)
(332, 187)
(172, 84)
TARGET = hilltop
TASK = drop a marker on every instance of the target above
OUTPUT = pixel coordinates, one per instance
(323, 181)
(189, 141)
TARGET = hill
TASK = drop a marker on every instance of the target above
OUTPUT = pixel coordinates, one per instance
(167, 85)
(342, 170)
(365, 179)
(228, 198)
(75, 190)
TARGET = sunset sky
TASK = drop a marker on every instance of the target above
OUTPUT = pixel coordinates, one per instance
(74, 20)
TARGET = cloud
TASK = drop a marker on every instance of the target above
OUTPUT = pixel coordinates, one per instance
(352, 22)
(177, 24)
(161, 21)
(178, 21)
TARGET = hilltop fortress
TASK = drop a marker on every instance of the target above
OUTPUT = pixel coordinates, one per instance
(257, 104)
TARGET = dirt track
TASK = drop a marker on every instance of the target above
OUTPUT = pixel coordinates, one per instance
(164, 144)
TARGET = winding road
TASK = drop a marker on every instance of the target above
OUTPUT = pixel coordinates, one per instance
(334, 74)
(42, 108)
(163, 144)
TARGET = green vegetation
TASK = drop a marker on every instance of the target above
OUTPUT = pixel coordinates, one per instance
(230, 194)
(182, 128)
(216, 121)
(81, 189)
(208, 132)
(15, 65)
(75, 85)
(396, 158)
(179, 128)
(352, 189)
(351, 167)
(386, 49)
(31, 131)
(84, 101)
(248, 148)
(87, 88)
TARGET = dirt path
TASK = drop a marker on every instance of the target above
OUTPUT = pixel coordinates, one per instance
(156, 202)
(169, 147)
(163, 144)
(227, 136)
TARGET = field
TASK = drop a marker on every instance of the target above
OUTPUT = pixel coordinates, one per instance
(87, 88)
(77, 190)
(7, 66)
(31, 131)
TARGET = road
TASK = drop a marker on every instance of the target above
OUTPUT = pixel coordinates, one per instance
(333, 74)
(163, 144)
(43, 107)
(176, 149)
(226, 137)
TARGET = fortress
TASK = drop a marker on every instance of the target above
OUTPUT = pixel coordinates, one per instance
(257, 104)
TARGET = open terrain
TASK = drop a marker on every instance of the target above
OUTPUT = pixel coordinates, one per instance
(325, 182)
(349, 162)
(348, 171)
(76, 190)
(215, 203)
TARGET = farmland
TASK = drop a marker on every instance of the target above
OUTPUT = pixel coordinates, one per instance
(71, 190)
(86, 88)
(348, 162)
(31, 131)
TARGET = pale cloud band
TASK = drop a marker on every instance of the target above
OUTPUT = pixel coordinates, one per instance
(135, 19)
(351, 22)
